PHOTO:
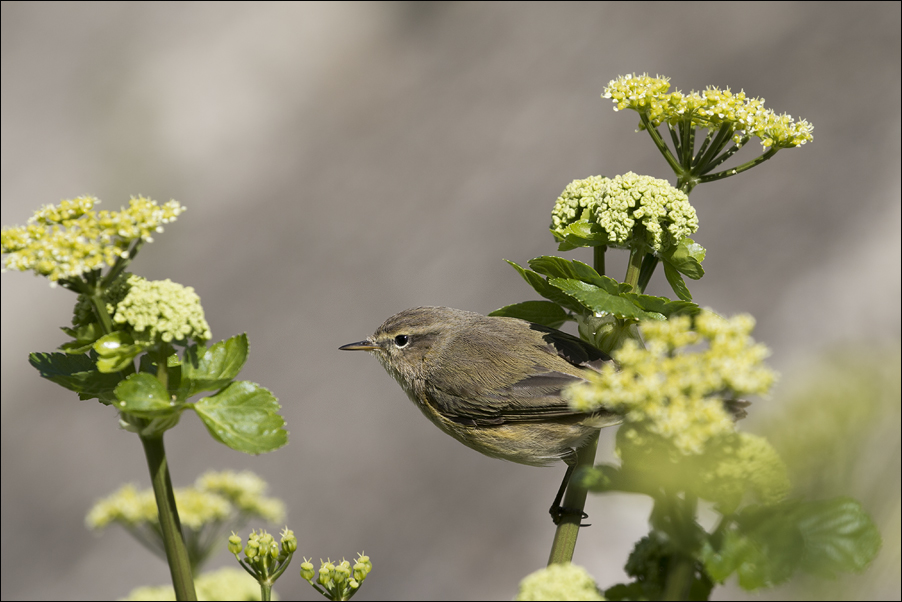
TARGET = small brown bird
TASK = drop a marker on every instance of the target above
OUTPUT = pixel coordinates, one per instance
(493, 383)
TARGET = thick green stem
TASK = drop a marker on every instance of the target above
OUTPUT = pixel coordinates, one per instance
(679, 578)
(598, 256)
(634, 269)
(677, 516)
(100, 311)
(173, 540)
(163, 368)
(574, 501)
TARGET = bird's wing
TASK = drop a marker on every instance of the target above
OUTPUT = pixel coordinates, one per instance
(494, 393)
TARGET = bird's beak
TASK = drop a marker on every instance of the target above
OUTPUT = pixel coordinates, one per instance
(360, 346)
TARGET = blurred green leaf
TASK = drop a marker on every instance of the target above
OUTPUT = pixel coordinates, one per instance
(735, 550)
(244, 416)
(597, 478)
(545, 313)
(839, 536)
(824, 538)
(625, 591)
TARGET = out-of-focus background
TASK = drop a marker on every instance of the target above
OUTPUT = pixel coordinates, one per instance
(341, 162)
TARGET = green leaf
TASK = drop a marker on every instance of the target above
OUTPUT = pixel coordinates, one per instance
(824, 537)
(147, 364)
(597, 299)
(116, 350)
(76, 373)
(558, 267)
(839, 536)
(735, 549)
(676, 282)
(215, 367)
(84, 336)
(625, 591)
(580, 233)
(144, 396)
(686, 258)
(541, 286)
(244, 416)
(545, 313)
(66, 370)
(663, 305)
(599, 478)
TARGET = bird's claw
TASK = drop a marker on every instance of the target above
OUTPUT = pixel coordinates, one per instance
(559, 512)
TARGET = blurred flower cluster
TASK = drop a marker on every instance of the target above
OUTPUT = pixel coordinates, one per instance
(677, 395)
(218, 503)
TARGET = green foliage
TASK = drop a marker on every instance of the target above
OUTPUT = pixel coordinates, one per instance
(575, 291)
(77, 373)
(767, 544)
(213, 368)
(143, 396)
(685, 258)
(244, 416)
(546, 313)
(652, 563)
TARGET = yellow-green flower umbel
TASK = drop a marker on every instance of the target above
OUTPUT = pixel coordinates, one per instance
(712, 108)
(628, 209)
(673, 396)
(680, 394)
(559, 582)
(162, 309)
(218, 502)
(65, 241)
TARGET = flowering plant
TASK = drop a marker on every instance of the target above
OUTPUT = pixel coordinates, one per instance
(681, 371)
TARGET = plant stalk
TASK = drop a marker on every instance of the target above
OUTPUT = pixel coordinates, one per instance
(574, 501)
(173, 540)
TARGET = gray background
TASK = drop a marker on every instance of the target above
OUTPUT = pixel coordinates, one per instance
(341, 162)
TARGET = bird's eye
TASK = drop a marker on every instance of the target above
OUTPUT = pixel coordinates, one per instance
(401, 340)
